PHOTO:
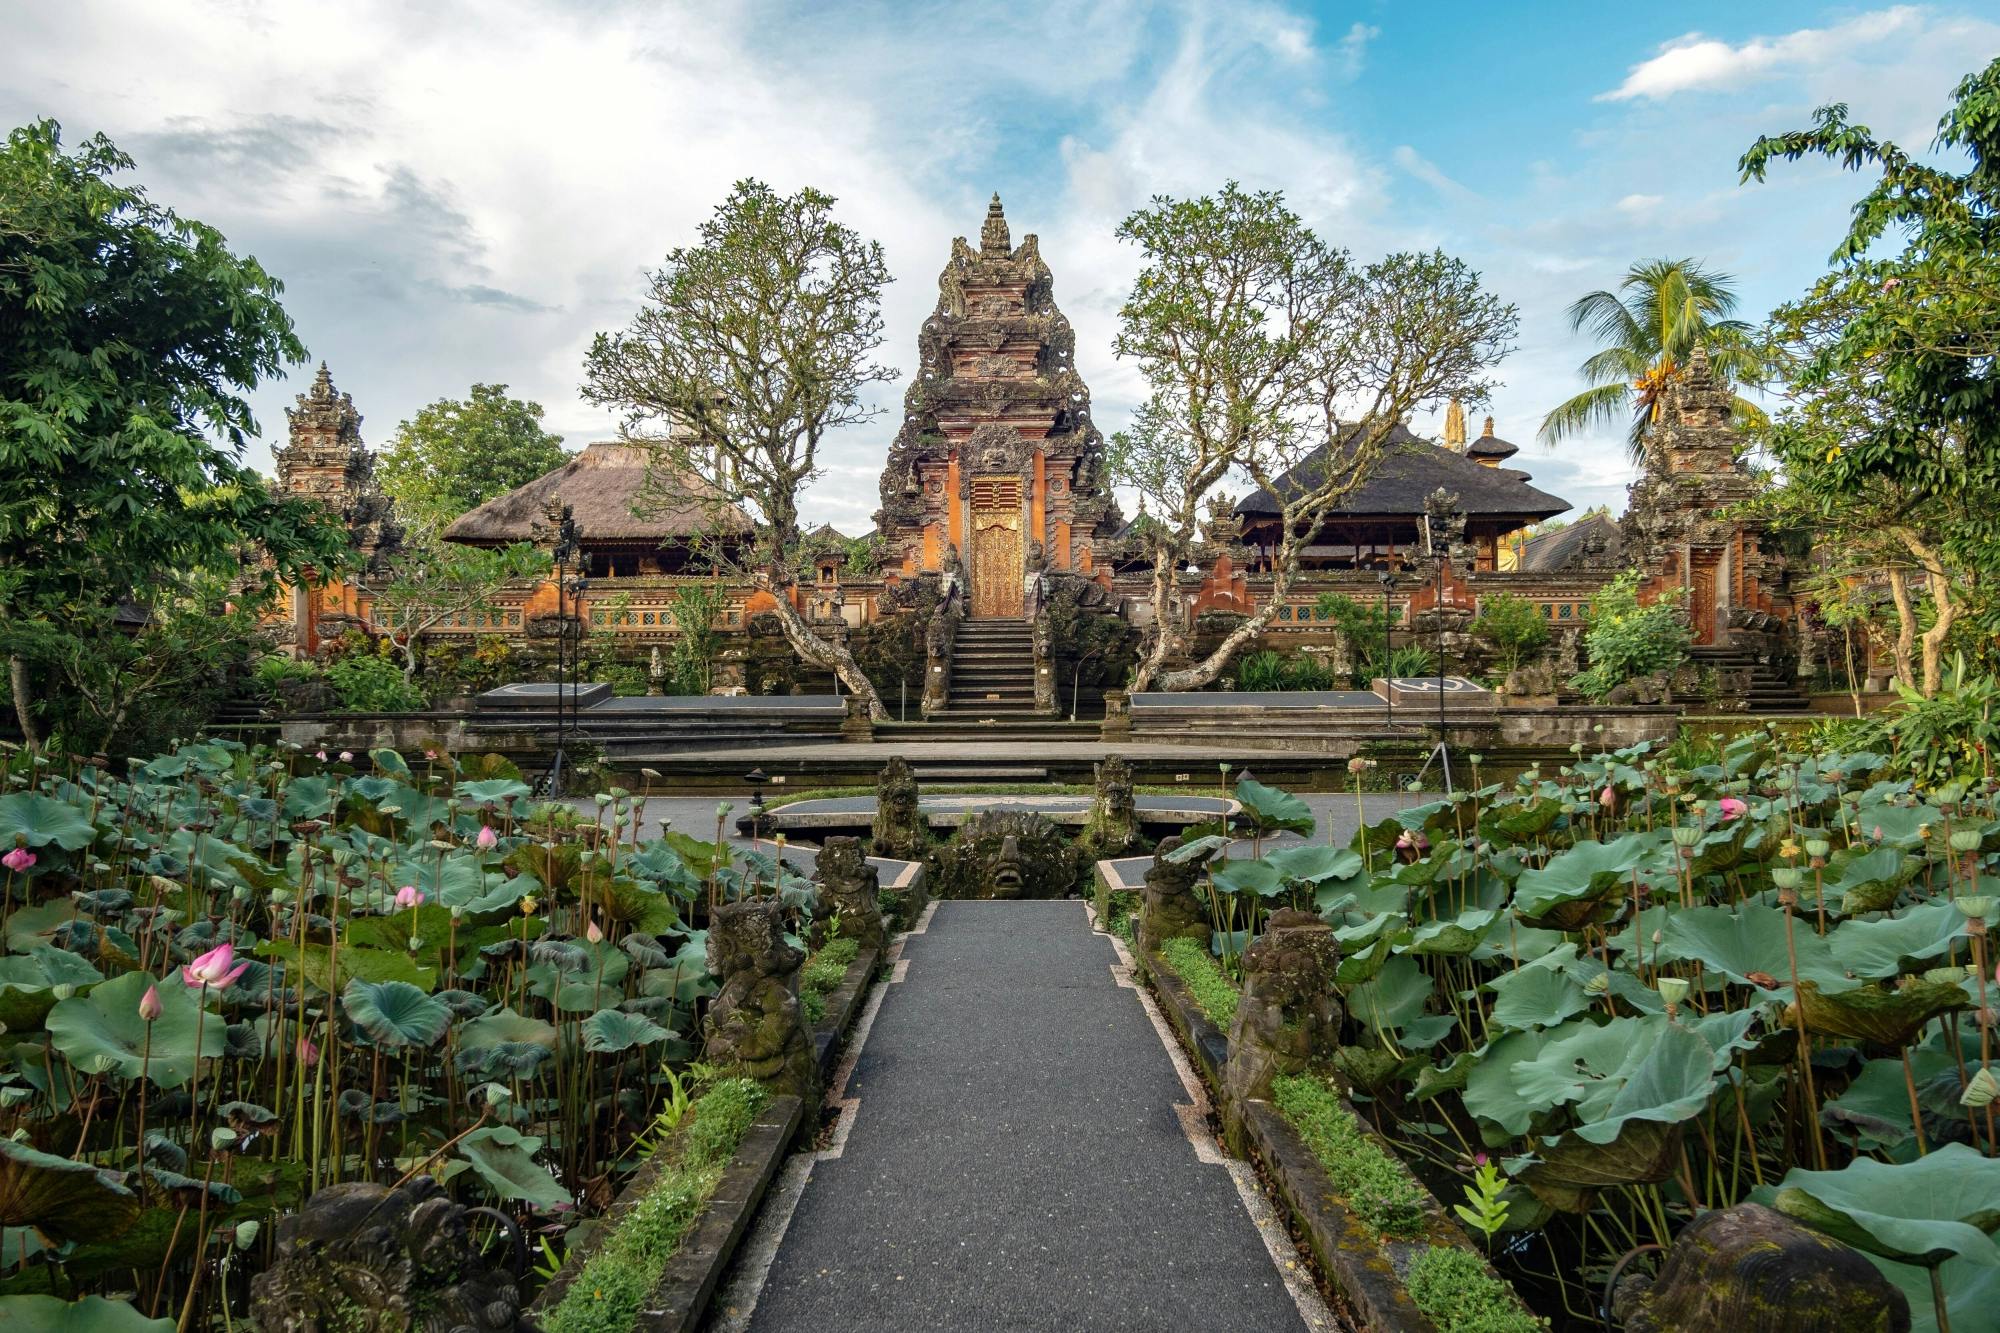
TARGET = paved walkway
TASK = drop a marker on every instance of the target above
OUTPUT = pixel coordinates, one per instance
(1017, 1150)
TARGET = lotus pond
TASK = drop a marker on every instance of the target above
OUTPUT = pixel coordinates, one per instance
(1592, 1002)
(233, 977)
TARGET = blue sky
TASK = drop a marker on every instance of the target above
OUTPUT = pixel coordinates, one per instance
(456, 192)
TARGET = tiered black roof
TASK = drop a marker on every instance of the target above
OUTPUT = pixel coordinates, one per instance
(1409, 469)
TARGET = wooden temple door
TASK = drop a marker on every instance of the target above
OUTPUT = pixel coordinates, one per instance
(1701, 605)
(997, 566)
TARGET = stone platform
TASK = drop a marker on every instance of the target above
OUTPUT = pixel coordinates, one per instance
(816, 820)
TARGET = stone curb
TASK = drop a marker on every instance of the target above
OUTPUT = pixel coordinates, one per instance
(679, 1298)
(843, 1006)
(1366, 1268)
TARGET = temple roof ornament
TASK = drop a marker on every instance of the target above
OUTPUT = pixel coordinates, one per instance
(993, 242)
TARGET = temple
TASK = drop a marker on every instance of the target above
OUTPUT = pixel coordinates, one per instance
(997, 469)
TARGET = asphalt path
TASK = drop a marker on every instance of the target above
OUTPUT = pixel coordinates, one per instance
(1016, 1161)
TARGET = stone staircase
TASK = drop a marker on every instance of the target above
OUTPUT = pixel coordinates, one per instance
(1770, 691)
(992, 672)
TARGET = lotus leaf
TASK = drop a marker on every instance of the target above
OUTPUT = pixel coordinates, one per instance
(1899, 825)
(1538, 994)
(504, 1159)
(27, 984)
(316, 964)
(1566, 1171)
(495, 790)
(1751, 939)
(505, 1026)
(1876, 1106)
(1314, 863)
(611, 1030)
(65, 1200)
(1489, 1091)
(188, 1189)
(1199, 849)
(1455, 938)
(1270, 810)
(1258, 877)
(1585, 883)
(102, 1033)
(395, 1013)
(92, 1314)
(1884, 948)
(1873, 1014)
(1922, 1212)
(1395, 997)
(1868, 881)
(38, 820)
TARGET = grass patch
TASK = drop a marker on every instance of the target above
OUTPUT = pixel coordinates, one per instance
(1460, 1296)
(1376, 1186)
(607, 1294)
(822, 975)
(1214, 993)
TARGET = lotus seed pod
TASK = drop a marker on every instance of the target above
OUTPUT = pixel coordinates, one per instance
(1687, 835)
(1951, 974)
(1599, 984)
(1974, 904)
(1672, 989)
(1965, 840)
(1980, 1089)
(222, 1138)
(1818, 847)
(1787, 877)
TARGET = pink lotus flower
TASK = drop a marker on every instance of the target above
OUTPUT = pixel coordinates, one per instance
(409, 896)
(18, 860)
(487, 837)
(1608, 798)
(430, 754)
(308, 1053)
(347, 756)
(320, 755)
(1733, 808)
(213, 968)
(592, 933)
(150, 1007)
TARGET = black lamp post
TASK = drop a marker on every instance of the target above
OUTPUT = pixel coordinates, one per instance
(567, 549)
(756, 777)
(1388, 582)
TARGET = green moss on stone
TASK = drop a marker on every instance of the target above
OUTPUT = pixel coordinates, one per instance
(1214, 993)
(1376, 1187)
(822, 975)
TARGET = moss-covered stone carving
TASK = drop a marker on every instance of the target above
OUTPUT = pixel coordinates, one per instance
(1288, 1019)
(1004, 854)
(849, 891)
(363, 1258)
(1750, 1269)
(755, 1027)
(900, 831)
(1113, 827)
(1170, 908)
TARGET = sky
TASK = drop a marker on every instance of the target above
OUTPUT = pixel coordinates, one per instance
(466, 192)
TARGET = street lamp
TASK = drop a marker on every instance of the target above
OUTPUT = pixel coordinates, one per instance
(1388, 582)
(756, 777)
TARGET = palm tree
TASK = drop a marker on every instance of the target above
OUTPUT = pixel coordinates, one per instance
(1663, 309)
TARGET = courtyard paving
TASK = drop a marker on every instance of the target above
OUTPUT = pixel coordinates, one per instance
(1017, 1150)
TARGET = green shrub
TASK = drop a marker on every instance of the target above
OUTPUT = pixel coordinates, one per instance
(1214, 993)
(607, 1294)
(1460, 1295)
(1625, 640)
(271, 674)
(1269, 670)
(1936, 740)
(1515, 627)
(364, 683)
(1376, 1186)
(822, 975)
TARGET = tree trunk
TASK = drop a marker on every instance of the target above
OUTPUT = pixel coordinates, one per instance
(24, 712)
(1161, 645)
(1205, 671)
(1945, 610)
(1906, 627)
(823, 653)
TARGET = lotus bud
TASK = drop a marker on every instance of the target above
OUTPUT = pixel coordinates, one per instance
(347, 756)
(150, 1007)
(529, 905)
(1672, 989)
(1980, 1089)
(62, 990)
(1965, 840)
(1974, 905)
(1732, 808)
(19, 860)
(1817, 848)
(593, 933)
(222, 1138)
(409, 896)
(308, 1053)
(1357, 765)
(320, 755)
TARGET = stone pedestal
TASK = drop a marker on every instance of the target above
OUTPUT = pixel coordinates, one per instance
(755, 1027)
(849, 890)
(1289, 1017)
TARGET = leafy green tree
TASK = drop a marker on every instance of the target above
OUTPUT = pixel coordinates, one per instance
(1662, 310)
(128, 335)
(750, 347)
(1897, 351)
(1514, 625)
(1625, 640)
(1253, 334)
(454, 455)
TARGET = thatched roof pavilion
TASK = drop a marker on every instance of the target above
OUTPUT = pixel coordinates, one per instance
(602, 486)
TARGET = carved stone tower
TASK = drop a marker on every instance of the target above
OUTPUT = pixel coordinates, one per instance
(1677, 522)
(997, 467)
(325, 460)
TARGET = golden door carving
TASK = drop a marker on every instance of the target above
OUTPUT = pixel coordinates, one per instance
(997, 565)
(1703, 604)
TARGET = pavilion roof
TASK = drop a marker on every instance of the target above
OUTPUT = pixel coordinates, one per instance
(1409, 469)
(600, 485)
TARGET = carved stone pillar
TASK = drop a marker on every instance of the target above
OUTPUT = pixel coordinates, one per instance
(1289, 1017)
(755, 1026)
(1170, 908)
(848, 889)
(899, 831)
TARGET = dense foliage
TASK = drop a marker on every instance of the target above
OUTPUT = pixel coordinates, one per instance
(1624, 639)
(454, 455)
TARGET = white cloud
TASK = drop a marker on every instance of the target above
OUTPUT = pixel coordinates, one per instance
(1638, 205)
(1353, 50)
(1427, 171)
(1695, 62)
